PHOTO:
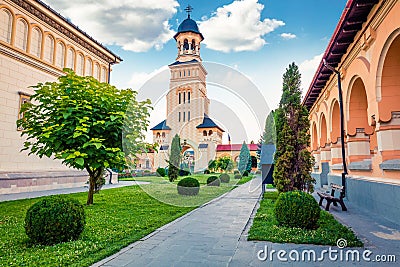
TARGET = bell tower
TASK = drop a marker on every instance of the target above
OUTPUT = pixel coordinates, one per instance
(187, 102)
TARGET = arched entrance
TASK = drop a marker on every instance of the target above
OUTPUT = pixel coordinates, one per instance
(358, 129)
(188, 158)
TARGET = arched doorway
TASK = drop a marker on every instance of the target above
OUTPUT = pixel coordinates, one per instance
(188, 159)
(323, 130)
(314, 137)
(390, 83)
(335, 122)
(358, 129)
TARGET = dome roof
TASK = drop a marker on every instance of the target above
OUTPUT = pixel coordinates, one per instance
(188, 25)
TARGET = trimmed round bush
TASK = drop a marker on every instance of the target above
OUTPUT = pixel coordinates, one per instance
(213, 181)
(188, 186)
(161, 172)
(54, 220)
(236, 172)
(224, 178)
(297, 209)
(237, 176)
(183, 172)
(245, 174)
(207, 172)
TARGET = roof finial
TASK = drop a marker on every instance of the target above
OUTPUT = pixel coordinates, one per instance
(188, 9)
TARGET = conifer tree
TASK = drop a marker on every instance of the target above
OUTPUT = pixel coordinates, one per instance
(174, 159)
(244, 159)
(293, 161)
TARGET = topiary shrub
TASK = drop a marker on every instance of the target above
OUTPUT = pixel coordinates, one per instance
(245, 173)
(160, 172)
(207, 172)
(213, 181)
(224, 178)
(236, 172)
(297, 209)
(183, 172)
(188, 186)
(237, 176)
(54, 220)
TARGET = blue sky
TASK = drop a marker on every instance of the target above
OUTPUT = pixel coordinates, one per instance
(258, 38)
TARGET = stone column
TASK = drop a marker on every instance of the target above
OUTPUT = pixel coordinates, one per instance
(359, 151)
(326, 153)
(388, 135)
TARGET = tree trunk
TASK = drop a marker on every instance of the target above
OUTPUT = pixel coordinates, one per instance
(92, 181)
(93, 177)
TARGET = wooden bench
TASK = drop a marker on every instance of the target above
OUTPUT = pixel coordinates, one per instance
(330, 198)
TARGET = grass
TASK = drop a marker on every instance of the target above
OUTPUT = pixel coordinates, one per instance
(265, 227)
(118, 218)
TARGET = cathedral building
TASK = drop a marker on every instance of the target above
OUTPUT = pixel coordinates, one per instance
(188, 105)
(36, 43)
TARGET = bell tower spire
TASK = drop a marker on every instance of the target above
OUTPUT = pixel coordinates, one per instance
(188, 39)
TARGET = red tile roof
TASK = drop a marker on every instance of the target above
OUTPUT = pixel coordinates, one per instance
(236, 147)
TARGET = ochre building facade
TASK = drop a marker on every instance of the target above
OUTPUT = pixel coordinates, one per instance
(365, 49)
(36, 43)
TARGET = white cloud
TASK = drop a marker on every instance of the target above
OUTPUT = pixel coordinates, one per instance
(288, 36)
(138, 79)
(136, 25)
(307, 69)
(237, 27)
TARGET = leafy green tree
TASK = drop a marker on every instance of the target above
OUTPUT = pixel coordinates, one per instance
(175, 158)
(80, 121)
(244, 159)
(293, 161)
(224, 164)
(212, 165)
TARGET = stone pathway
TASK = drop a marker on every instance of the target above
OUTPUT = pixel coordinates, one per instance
(207, 236)
(216, 235)
(34, 194)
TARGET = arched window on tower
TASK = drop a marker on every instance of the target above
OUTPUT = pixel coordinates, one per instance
(185, 45)
(193, 45)
(184, 97)
(210, 132)
(179, 97)
(163, 135)
(188, 97)
(6, 21)
(188, 115)
(204, 133)
(158, 135)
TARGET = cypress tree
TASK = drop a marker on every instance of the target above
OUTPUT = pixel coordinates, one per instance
(244, 159)
(174, 159)
(293, 161)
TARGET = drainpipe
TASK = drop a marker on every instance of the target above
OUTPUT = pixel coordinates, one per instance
(344, 173)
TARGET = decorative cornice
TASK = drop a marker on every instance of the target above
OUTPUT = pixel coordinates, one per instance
(62, 29)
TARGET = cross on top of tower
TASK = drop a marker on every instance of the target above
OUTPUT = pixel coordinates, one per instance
(188, 9)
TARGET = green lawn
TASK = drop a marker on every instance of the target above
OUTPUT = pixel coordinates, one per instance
(265, 227)
(119, 217)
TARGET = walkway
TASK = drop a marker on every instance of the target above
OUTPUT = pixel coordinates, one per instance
(216, 235)
(34, 194)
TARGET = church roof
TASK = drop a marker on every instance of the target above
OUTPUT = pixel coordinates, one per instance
(161, 126)
(188, 25)
(208, 123)
(236, 147)
(184, 62)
